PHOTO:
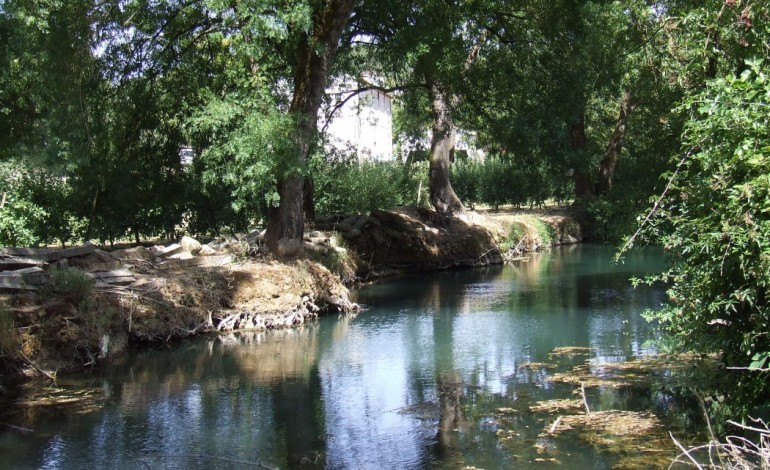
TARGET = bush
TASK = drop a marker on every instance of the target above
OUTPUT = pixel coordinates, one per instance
(351, 187)
(719, 248)
(8, 336)
(73, 283)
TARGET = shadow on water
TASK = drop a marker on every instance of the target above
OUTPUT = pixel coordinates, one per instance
(440, 372)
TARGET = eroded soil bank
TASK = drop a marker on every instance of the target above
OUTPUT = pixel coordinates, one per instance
(63, 310)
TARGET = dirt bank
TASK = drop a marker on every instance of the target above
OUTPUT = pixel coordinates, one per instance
(411, 239)
(67, 309)
(77, 320)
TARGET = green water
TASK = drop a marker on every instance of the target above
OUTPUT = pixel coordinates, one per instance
(413, 382)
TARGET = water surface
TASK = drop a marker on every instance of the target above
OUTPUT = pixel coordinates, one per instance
(413, 382)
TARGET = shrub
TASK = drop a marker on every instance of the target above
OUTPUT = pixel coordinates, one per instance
(73, 283)
(351, 187)
(719, 247)
(8, 334)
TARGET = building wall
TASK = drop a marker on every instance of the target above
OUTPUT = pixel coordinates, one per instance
(364, 125)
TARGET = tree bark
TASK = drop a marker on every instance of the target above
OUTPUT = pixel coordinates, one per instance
(578, 142)
(314, 56)
(442, 147)
(611, 156)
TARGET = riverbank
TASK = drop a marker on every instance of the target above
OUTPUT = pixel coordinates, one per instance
(63, 310)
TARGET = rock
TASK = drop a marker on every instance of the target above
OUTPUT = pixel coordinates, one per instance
(170, 250)
(118, 277)
(182, 255)
(12, 263)
(108, 266)
(190, 244)
(206, 250)
(132, 254)
(255, 235)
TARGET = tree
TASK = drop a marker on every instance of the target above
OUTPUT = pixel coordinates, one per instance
(315, 51)
(713, 216)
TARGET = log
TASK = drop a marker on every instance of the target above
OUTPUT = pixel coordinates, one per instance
(12, 263)
(108, 266)
(256, 235)
(74, 251)
(36, 253)
(14, 283)
(343, 227)
(350, 220)
(118, 277)
(325, 241)
(203, 261)
(34, 269)
(316, 248)
(46, 254)
(363, 220)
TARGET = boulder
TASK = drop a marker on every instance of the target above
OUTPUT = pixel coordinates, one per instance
(190, 244)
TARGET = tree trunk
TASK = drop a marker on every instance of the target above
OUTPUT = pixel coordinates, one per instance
(308, 202)
(442, 148)
(315, 53)
(578, 142)
(611, 156)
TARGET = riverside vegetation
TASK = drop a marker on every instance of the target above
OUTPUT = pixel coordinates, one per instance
(649, 116)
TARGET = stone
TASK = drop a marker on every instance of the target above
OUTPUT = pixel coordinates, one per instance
(206, 250)
(190, 244)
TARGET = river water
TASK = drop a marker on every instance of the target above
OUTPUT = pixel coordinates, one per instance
(416, 381)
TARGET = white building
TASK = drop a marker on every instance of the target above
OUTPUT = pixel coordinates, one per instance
(363, 124)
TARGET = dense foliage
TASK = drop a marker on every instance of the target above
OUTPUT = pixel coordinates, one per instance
(586, 101)
(718, 214)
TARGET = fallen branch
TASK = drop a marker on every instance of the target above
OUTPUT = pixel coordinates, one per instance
(583, 394)
(37, 368)
(554, 425)
(655, 206)
(685, 452)
(17, 428)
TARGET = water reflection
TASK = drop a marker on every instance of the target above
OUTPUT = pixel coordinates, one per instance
(411, 383)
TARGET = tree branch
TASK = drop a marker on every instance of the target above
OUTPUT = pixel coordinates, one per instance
(339, 104)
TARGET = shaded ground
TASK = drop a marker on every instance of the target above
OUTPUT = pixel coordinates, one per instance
(410, 239)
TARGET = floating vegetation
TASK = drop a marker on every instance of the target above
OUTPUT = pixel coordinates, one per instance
(506, 434)
(538, 366)
(586, 376)
(638, 436)
(572, 351)
(557, 406)
(64, 397)
(637, 372)
(610, 423)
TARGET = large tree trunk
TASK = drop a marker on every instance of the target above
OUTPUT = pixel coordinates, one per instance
(442, 147)
(315, 55)
(611, 156)
(578, 142)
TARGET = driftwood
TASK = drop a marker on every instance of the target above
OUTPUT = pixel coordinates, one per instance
(257, 321)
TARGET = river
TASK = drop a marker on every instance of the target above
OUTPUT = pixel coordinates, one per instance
(418, 380)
